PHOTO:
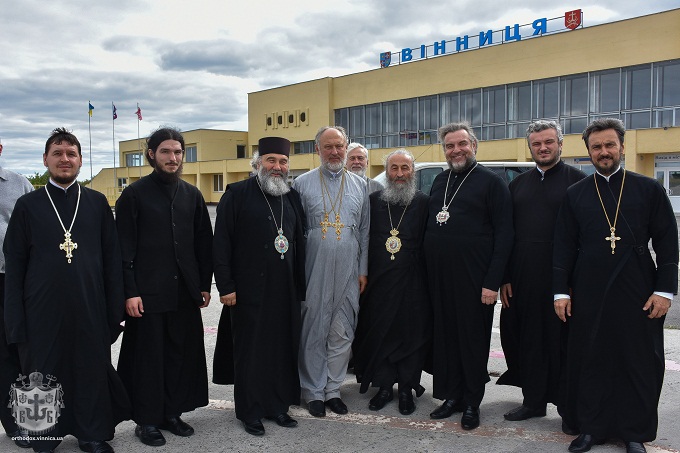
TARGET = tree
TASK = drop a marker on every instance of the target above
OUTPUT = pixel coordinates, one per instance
(39, 180)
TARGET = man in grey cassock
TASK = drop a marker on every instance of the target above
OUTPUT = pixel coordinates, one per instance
(336, 205)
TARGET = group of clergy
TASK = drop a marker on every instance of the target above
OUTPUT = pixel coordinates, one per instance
(333, 267)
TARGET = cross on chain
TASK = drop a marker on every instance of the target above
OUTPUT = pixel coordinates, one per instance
(324, 225)
(337, 225)
(68, 246)
(613, 238)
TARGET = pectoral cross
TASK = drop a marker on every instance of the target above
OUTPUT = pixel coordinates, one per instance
(338, 226)
(324, 225)
(68, 246)
(613, 238)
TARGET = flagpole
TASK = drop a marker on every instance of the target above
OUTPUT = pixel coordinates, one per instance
(89, 130)
(139, 145)
(113, 135)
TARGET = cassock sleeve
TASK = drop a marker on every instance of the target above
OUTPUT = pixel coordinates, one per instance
(222, 243)
(364, 228)
(16, 249)
(663, 230)
(203, 243)
(565, 247)
(500, 212)
(127, 210)
(113, 273)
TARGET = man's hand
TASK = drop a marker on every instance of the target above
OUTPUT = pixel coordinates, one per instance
(229, 300)
(657, 306)
(506, 294)
(363, 281)
(134, 307)
(489, 297)
(563, 308)
(206, 299)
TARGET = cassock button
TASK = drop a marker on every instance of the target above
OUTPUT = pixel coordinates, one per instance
(175, 277)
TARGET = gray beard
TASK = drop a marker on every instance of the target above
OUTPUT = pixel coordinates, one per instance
(361, 173)
(460, 168)
(272, 185)
(334, 168)
(399, 194)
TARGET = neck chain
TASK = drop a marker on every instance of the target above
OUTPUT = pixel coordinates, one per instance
(443, 216)
(338, 200)
(281, 241)
(393, 244)
(612, 238)
(68, 245)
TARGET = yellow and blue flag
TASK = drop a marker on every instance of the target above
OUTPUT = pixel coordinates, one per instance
(91, 108)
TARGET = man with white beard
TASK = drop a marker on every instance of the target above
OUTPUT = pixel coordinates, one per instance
(259, 252)
(336, 205)
(357, 163)
(395, 317)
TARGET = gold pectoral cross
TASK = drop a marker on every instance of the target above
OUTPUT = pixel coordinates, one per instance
(338, 226)
(324, 225)
(68, 246)
(613, 238)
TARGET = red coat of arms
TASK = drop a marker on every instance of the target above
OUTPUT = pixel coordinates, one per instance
(572, 19)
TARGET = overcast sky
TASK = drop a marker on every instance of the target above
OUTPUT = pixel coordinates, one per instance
(191, 64)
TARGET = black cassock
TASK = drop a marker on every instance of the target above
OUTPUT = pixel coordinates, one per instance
(463, 256)
(531, 333)
(258, 338)
(615, 362)
(395, 317)
(64, 316)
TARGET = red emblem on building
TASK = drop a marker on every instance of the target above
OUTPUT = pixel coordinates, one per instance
(572, 19)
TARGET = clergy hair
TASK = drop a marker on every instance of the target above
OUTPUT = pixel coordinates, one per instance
(355, 145)
(542, 125)
(404, 152)
(60, 135)
(159, 136)
(602, 124)
(256, 159)
(340, 129)
(454, 127)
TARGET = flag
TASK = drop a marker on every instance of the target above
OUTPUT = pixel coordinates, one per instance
(139, 113)
(91, 108)
(115, 115)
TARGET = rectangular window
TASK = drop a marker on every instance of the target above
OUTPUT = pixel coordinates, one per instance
(356, 121)
(342, 118)
(303, 147)
(637, 120)
(133, 160)
(605, 88)
(471, 107)
(494, 105)
(519, 102)
(190, 153)
(122, 182)
(637, 87)
(493, 132)
(218, 183)
(544, 98)
(574, 125)
(449, 108)
(372, 114)
(667, 84)
(408, 122)
(667, 118)
(574, 95)
(390, 117)
(517, 130)
(240, 151)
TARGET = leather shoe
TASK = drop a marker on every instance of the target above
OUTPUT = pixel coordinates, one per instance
(177, 426)
(406, 404)
(583, 443)
(447, 409)
(20, 438)
(381, 398)
(150, 435)
(255, 428)
(337, 406)
(523, 413)
(95, 446)
(566, 429)
(284, 420)
(316, 408)
(635, 447)
(470, 418)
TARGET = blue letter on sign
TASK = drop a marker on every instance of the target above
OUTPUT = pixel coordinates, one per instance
(462, 43)
(406, 55)
(516, 36)
(540, 26)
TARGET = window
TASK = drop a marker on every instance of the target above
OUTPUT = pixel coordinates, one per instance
(494, 105)
(240, 151)
(574, 95)
(372, 115)
(471, 107)
(133, 160)
(449, 107)
(303, 147)
(667, 84)
(519, 102)
(356, 121)
(408, 122)
(636, 87)
(190, 153)
(605, 91)
(544, 98)
(122, 183)
(218, 183)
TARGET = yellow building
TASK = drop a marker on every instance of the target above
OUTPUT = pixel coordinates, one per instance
(628, 69)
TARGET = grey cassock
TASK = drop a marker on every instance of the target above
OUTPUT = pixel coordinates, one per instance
(332, 268)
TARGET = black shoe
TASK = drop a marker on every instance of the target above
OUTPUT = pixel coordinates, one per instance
(337, 406)
(381, 398)
(150, 435)
(284, 420)
(316, 408)
(566, 429)
(177, 426)
(523, 413)
(95, 446)
(447, 409)
(470, 418)
(406, 404)
(255, 428)
(20, 438)
(635, 447)
(583, 443)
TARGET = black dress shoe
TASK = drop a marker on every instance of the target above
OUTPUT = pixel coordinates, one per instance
(381, 398)
(470, 418)
(95, 446)
(447, 409)
(316, 408)
(284, 420)
(566, 429)
(583, 443)
(150, 435)
(337, 406)
(635, 447)
(20, 438)
(255, 428)
(523, 413)
(406, 404)
(177, 426)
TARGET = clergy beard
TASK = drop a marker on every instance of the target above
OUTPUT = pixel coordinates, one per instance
(273, 185)
(334, 167)
(399, 193)
(166, 176)
(63, 180)
(460, 168)
(361, 173)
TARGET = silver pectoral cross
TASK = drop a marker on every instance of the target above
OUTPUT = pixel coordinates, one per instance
(68, 246)
(612, 238)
